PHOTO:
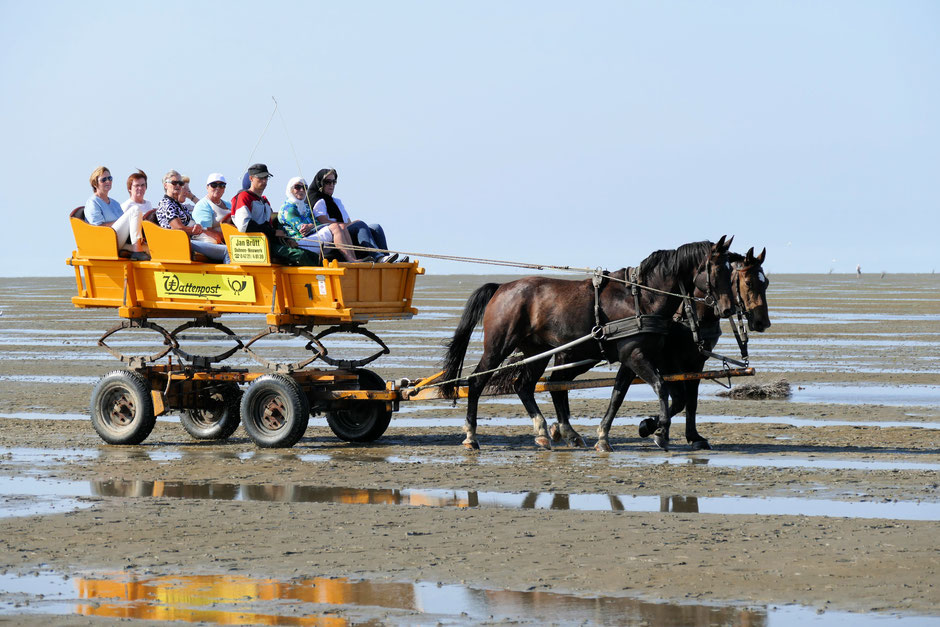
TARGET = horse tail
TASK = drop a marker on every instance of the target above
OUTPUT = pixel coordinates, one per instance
(457, 345)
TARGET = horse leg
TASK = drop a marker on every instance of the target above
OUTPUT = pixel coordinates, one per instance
(676, 391)
(563, 428)
(474, 390)
(648, 373)
(498, 343)
(621, 384)
(691, 433)
(525, 388)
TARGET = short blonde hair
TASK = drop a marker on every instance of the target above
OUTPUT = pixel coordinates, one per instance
(93, 179)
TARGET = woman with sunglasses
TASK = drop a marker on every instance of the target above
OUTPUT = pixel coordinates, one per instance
(211, 210)
(297, 219)
(101, 210)
(172, 215)
(327, 209)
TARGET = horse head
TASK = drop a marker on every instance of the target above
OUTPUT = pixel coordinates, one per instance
(750, 287)
(714, 278)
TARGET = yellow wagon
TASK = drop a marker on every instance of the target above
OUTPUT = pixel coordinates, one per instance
(277, 403)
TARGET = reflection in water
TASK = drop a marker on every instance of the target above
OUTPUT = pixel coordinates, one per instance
(679, 504)
(291, 493)
(258, 601)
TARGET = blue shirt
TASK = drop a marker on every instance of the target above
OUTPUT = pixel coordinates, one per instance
(97, 212)
(204, 214)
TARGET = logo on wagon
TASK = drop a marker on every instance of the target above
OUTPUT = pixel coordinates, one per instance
(225, 287)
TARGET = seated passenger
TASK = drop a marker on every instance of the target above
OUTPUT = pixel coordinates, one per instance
(251, 213)
(188, 196)
(137, 187)
(212, 210)
(101, 210)
(298, 223)
(330, 210)
(172, 215)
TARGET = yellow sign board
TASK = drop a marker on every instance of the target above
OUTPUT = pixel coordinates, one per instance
(249, 249)
(238, 288)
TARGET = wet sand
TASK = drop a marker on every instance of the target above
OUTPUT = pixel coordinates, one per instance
(864, 348)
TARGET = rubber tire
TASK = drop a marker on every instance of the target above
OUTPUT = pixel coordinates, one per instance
(218, 423)
(136, 418)
(292, 415)
(361, 421)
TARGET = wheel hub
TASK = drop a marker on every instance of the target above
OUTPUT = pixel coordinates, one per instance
(274, 412)
(122, 410)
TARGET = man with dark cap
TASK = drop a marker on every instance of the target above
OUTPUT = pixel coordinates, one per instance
(251, 213)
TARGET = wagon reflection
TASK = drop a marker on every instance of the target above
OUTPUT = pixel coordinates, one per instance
(291, 493)
(235, 599)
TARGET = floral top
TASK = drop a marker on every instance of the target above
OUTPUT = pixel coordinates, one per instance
(292, 215)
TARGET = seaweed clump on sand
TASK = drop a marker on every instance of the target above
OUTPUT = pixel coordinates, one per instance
(777, 389)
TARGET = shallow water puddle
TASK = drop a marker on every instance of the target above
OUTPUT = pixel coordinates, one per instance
(835, 393)
(677, 420)
(416, 423)
(234, 599)
(15, 491)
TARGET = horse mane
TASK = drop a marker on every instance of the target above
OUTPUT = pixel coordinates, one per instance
(673, 262)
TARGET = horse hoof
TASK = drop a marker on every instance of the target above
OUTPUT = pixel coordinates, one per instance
(701, 445)
(543, 443)
(578, 442)
(555, 432)
(662, 441)
(602, 447)
(471, 445)
(647, 426)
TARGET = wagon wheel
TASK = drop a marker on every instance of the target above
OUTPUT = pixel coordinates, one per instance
(122, 408)
(275, 411)
(361, 421)
(219, 417)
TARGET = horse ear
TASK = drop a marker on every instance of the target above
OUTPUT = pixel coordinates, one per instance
(728, 243)
(762, 255)
(749, 257)
(720, 243)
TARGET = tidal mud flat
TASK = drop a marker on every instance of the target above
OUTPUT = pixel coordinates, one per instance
(825, 502)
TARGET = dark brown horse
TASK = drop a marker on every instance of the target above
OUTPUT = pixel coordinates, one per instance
(681, 353)
(749, 284)
(537, 314)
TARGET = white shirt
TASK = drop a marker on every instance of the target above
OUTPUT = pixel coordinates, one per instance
(319, 210)
(143, 206)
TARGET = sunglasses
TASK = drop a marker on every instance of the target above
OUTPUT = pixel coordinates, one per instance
(329, 181)
(105, 179)
(299, 186)
(216, 185)
(175, 183)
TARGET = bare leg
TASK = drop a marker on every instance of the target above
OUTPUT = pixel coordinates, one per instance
(342, 240)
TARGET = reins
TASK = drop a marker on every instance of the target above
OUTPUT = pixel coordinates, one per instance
(615, 329)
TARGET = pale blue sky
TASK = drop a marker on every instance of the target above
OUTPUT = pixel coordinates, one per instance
(582, 134)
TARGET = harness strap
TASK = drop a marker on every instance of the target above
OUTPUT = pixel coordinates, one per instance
(598, 281)
(742, 341)
(691, 317)
(627, 327)
(631, 275)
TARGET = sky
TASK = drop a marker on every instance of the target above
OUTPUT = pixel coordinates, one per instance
(572, 134)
